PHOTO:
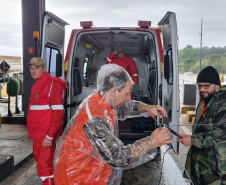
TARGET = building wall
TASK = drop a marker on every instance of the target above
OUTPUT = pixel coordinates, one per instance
(14, 62)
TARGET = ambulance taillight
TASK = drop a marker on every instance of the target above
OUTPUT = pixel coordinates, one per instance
(144, 24)
(86, 24)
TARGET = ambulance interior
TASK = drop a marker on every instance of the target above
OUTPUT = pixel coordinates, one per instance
(91, 50)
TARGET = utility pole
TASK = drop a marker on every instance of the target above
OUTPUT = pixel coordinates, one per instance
(200, 46)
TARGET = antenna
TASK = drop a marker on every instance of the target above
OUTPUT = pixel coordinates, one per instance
(200, 57)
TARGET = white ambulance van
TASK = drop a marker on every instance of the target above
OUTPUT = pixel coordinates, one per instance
(154, 50)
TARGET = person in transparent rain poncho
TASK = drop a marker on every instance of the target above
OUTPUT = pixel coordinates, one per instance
(89, 151)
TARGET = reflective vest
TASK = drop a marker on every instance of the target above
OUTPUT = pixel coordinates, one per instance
(79, 162)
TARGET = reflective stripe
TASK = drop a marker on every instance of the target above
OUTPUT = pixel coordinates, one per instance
(50, 138)
(109, 59)
(50, 89)
(39, 107)
(88, 111)
(135, 75)
(44, 178)
(57, 107)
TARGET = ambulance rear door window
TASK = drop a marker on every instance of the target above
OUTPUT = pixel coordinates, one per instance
(50, 56)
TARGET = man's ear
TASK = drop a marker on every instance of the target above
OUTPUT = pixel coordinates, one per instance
(114, 91)
(45, 69)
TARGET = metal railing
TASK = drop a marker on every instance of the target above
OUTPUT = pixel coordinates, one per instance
(184, 81)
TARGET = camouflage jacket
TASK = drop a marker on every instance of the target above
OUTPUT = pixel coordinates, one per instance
(206, 159)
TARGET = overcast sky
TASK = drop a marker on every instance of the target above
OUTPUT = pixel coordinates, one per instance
(122, 13)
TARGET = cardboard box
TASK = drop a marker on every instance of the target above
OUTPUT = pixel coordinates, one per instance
(190, 115)
(193, 120)
(186, 108)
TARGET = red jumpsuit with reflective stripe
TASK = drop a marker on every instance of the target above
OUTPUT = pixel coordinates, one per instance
(44, 120)
(127, 63)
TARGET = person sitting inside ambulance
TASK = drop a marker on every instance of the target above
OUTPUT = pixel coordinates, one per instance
(126, 62)
(89, 151)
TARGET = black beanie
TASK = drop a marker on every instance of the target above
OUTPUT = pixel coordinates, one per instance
(209, 75)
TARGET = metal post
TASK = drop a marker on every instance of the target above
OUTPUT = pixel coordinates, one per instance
(200, 47)
(9, 111)
(17, 110)
(36, 47)
(4, 72)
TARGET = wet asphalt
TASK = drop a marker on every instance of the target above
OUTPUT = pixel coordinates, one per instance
(146, 174)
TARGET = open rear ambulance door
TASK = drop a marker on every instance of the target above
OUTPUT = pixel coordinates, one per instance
(52, 44)
(170, 81)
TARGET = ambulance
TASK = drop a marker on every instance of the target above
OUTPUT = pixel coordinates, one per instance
(153, 49)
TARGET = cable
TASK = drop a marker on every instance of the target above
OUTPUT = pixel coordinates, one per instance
(161, 125)
(188, 176)
(170, 146)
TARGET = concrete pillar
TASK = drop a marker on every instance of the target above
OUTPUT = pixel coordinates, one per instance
(32, 11)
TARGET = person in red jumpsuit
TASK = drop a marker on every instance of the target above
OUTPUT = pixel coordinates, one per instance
(45, 116)
(126, 62)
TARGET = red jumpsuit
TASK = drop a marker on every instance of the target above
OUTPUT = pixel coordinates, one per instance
(44, 120)
(127, 63)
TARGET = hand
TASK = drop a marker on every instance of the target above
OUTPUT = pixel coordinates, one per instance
(47, 143)
(161, 137)
(152, 109)
(116, 52)
(186, 140)
(151, 115)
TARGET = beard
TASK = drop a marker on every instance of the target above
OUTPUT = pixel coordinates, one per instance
(207, 98)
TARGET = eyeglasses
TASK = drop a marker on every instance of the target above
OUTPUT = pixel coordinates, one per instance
(205, 86)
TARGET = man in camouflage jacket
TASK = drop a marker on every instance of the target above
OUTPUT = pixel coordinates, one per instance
(206, 159)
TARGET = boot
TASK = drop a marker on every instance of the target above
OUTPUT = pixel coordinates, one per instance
(48, 181)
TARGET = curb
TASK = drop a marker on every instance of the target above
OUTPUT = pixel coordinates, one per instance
(14, 120)
(7, 166)
(23, 162)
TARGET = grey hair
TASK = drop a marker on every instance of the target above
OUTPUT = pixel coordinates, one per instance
(117, 79)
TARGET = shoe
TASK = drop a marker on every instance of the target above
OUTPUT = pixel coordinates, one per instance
(48, 181)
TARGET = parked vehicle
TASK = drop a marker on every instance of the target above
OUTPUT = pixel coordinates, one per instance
(154, 51)
(188, 73)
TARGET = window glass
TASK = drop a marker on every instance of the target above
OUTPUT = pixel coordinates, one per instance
(169, 52)
(50, 56)
(88, 70)
(52, 69)
(85, 66)
(47, 56)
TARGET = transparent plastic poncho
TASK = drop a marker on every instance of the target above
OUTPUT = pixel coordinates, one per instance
(89, 151)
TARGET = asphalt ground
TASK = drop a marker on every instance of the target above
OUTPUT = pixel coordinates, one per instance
(146, 174)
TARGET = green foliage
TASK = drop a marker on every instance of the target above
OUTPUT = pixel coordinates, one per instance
(188, 55)
(189, 58)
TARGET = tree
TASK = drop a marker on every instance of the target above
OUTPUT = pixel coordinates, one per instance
(188, 55)
(214, 56)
